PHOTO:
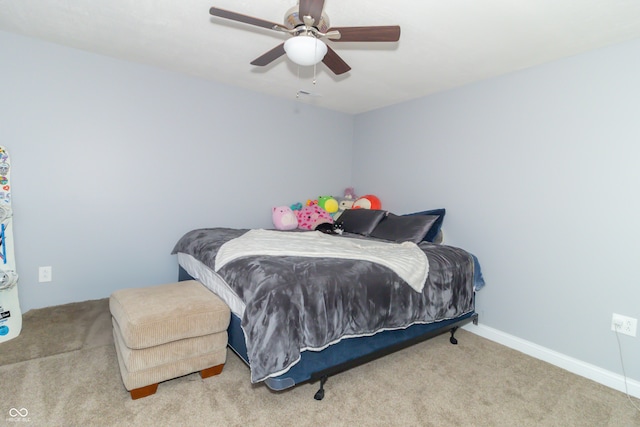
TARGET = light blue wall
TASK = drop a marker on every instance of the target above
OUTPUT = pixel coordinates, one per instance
(539, 172)
(113, 162)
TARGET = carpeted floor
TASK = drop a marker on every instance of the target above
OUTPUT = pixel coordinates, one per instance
(62, 370)
(60, 329)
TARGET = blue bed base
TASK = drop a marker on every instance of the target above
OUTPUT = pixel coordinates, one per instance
(346, 354)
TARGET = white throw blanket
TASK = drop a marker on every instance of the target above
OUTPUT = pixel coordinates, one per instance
(406, 259)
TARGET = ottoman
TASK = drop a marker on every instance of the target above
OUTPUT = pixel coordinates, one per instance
(167, 331)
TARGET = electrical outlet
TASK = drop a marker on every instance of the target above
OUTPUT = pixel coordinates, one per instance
(44, 274)
(624, 325)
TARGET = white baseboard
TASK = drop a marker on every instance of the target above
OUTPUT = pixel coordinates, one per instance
(578, 367)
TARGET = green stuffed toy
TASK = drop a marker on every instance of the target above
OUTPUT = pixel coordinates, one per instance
(328, 203)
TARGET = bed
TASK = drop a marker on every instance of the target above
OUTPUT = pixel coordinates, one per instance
(308, 305)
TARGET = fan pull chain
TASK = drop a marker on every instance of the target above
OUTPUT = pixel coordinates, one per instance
(314, 74)
(315, 48)
(315, 70)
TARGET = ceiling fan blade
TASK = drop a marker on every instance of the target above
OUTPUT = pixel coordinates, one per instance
(334, 62)
(227, 14)
(388, 33)
(312, 8)
(270, 56)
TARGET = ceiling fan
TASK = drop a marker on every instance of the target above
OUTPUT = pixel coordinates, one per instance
(307, 24)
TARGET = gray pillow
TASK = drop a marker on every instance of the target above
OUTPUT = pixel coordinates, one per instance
(361, 221)
(404, 228)
(433, 234)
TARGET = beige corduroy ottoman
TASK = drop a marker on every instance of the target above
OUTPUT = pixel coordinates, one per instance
(167, 331)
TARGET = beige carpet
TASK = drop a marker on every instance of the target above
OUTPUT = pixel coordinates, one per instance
(69, 376)
(60, 329)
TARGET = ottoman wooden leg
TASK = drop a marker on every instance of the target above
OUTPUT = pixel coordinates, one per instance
(141, 392)
(209, 372)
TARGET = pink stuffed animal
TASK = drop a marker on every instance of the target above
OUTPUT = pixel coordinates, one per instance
(309, 217)
(284, 218)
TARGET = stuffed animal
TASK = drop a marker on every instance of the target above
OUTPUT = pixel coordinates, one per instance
(345, 202)
(343, 205)
(284, 218)
(309, 217)
(367, 202)
(349, 193)
(328, 203)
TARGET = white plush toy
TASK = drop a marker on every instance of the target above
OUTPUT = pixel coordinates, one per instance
(345, 202)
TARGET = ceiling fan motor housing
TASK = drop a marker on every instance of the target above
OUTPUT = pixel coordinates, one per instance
(292, 20)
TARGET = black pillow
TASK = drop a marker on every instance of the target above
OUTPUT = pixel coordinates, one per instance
(361, 221)
(404, 228)
(435, 229)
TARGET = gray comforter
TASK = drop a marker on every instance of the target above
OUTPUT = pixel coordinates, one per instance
(297, 303)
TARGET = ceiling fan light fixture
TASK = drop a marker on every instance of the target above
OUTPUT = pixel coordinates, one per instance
(305, 50)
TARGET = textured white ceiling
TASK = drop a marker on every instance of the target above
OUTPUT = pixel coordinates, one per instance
(443, 44)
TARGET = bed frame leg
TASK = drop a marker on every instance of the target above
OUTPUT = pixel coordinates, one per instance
(452, 339)
(320, 393)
